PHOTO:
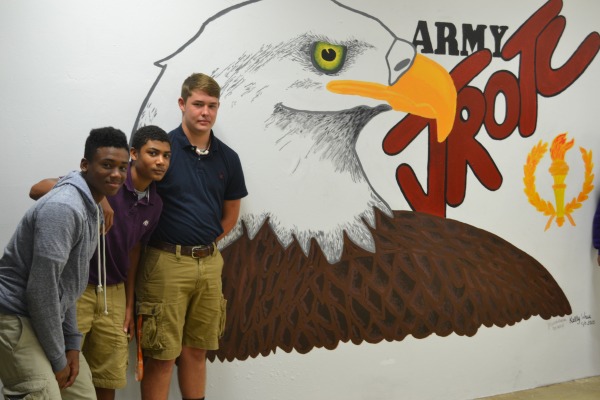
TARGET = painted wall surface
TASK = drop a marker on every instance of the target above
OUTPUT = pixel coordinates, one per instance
(70, 66)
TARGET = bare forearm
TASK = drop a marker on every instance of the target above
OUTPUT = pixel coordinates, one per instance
(42, 187)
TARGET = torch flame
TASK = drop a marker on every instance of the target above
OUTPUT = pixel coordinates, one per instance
(560, 146)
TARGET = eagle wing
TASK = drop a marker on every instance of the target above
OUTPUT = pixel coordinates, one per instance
(429, 275)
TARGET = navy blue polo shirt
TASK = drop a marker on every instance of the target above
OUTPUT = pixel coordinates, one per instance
(193, 191)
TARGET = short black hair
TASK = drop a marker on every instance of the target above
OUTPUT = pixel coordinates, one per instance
(148, 132)
(104, 137)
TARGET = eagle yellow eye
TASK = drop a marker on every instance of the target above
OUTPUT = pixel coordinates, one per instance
(328, 58)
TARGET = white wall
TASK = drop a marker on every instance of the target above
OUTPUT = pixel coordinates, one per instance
(69, 66)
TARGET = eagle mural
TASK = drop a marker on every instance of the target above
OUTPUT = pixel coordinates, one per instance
(318, 256)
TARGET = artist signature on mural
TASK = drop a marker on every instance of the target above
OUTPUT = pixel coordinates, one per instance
(582, 319)
(557, 324)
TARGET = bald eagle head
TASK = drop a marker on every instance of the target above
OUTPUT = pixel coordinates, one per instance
(299, 82)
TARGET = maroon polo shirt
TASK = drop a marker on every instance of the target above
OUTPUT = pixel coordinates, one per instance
(134, 222)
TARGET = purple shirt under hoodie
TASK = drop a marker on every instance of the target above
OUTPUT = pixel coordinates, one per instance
(134, 221)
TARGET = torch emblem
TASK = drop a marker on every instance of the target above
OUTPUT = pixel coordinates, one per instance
(558, 170)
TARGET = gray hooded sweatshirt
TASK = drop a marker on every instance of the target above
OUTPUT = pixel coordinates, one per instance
(45, 266)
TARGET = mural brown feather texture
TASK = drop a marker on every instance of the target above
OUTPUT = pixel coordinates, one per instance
(429, 275)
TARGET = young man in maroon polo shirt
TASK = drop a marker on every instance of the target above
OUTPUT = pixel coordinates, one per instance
(105, 311)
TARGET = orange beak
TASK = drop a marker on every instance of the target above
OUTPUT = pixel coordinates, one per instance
(426, 90)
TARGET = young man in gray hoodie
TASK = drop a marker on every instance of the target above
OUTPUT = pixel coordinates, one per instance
(45, 269)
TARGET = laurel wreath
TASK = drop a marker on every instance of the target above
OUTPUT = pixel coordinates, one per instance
(547, 208)
(587, 185)
(533, 159)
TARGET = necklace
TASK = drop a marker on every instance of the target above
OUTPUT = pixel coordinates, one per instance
(202, 152)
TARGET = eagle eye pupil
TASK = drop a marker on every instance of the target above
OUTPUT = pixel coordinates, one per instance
(328, 54)
(327, 58)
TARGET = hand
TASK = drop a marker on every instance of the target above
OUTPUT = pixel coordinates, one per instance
(73, 363)
(62, 376)
(108, 214)
(129, 324)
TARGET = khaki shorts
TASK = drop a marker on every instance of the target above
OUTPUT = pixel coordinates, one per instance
(181, 301)
(105, 344)
(25, 369)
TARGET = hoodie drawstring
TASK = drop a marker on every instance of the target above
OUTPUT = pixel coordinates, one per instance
(101, 260)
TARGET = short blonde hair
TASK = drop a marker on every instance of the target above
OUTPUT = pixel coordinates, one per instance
(199, 81)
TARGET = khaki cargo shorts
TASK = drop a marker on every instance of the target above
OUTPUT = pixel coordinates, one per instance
(181, 302)
(105, 344)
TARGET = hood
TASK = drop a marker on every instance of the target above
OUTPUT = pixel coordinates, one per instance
(76, 179)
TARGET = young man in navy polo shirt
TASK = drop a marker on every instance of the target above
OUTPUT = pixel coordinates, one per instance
(105, 310)
(179, 290)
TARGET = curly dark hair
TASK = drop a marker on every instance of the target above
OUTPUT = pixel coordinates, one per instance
(104, 137)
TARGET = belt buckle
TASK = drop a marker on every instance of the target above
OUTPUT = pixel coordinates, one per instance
(198, 249)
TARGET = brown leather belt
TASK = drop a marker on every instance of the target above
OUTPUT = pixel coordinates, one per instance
(200, 251)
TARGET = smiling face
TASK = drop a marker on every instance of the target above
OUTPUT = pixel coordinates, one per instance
(199, 112)
(106, 172)
(151, 162)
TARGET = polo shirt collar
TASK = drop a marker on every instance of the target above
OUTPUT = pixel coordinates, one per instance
(128, 185)
(129, 180)
(184, 142)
